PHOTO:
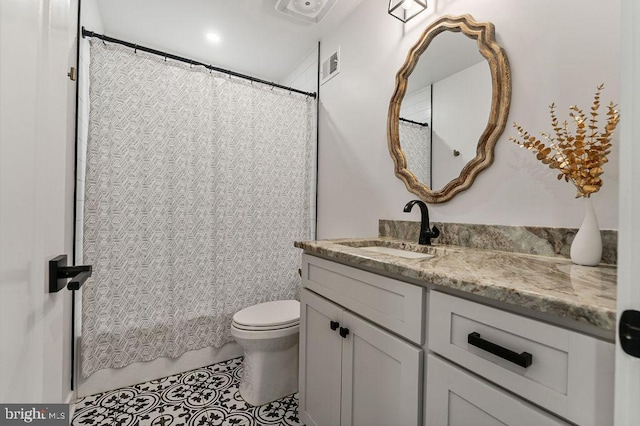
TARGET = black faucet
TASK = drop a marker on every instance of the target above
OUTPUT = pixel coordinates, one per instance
(426, 234)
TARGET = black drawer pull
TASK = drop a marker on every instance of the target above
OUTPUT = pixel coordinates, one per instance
(523, 360)
(334, 325)
(344, 332)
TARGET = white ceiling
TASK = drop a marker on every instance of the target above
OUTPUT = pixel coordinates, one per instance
(256, 39)
(448, 53)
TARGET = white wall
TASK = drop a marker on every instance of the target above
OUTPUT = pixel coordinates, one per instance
(91, 16)
(416, 106)
(558, 51)
(461, 106)
(304, 76)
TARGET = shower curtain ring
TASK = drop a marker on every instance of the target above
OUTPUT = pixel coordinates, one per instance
(135, 49)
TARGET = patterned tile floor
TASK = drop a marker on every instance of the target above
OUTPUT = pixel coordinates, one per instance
(207, 396)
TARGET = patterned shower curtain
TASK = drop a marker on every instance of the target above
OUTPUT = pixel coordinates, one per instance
(415, 141)
(196, 187)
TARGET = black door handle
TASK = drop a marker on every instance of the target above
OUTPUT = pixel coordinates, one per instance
(59, 272)
(344, 332)
(629, 332)
(79, 279)
(523, 359)
(334, 325)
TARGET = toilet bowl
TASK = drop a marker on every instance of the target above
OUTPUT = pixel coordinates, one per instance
(268, 334)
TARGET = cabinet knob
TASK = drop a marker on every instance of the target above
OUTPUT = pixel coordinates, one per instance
(344, 332)
(334, 325)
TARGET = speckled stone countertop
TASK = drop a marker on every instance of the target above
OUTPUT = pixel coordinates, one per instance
(548, 285)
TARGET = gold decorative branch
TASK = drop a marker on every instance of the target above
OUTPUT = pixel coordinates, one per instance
(579, 156)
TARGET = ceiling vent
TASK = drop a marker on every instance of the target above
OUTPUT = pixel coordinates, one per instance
(306, 10)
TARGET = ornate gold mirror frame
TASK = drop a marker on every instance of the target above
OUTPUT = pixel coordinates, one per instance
(496, 57)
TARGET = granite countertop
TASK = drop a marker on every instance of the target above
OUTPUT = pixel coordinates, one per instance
(544, 284)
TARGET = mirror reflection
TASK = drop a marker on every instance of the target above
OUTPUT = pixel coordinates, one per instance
(445, 109)
(455, 78)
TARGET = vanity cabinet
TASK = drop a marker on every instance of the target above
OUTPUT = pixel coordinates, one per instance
(567, 373)
(485, 366)
(352, 371)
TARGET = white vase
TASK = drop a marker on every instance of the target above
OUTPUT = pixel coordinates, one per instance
(586, 248)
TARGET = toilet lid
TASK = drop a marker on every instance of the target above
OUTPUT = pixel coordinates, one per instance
(270, 314)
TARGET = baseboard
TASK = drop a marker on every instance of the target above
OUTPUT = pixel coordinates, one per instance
(71, 400)
(114, 378)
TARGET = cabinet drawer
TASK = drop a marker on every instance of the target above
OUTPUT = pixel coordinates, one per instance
(570, 374)
(458, 398)
(393, 304)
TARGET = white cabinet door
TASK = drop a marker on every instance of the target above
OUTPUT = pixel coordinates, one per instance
(381, 377)
(458, 398)
(320, 361)
(356, 374)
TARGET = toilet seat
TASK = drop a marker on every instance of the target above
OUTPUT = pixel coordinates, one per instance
(266, 328)
(264, 334)
(266, 316)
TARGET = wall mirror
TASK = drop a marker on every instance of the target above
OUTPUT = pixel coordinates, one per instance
(450, 106)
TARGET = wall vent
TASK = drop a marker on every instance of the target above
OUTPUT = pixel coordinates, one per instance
(330, 67)
(307, 10)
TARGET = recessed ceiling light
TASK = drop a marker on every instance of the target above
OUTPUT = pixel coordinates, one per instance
(213, 37)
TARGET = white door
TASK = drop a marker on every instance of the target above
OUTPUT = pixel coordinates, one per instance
(320, 360)
(37, 100)
(381, 376)
(627, 393)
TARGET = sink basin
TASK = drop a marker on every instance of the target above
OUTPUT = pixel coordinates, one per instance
(398, 252)
(397, 248)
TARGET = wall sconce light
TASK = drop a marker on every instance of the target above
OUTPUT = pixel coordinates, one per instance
(406, 9)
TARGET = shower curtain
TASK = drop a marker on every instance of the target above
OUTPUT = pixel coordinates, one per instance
(197, 185)
(415, 141)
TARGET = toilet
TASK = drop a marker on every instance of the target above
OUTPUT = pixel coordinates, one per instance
(268, 334)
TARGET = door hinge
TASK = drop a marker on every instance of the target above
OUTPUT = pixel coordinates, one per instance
(72, 74)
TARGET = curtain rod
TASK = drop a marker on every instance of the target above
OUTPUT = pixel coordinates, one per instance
(414, 122)
(86, 33)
